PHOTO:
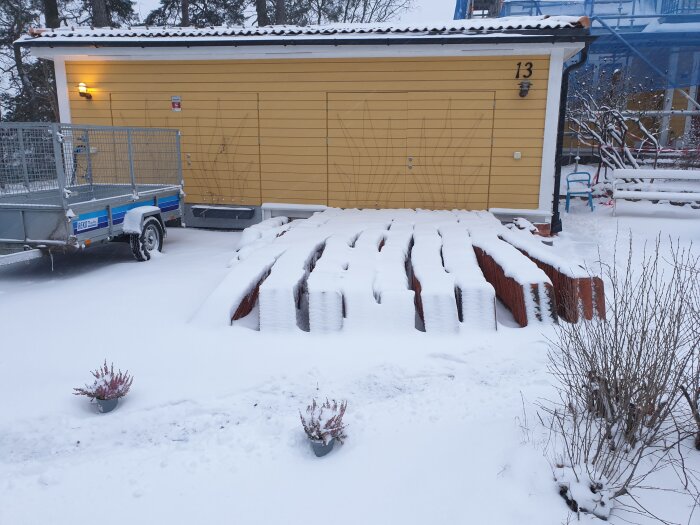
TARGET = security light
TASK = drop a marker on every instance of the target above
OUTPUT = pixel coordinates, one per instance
(83, 90)
(525, 86)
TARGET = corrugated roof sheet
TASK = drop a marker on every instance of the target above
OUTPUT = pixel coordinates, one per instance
(510, 25)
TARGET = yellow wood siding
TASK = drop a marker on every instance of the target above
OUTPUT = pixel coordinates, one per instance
(336, 131)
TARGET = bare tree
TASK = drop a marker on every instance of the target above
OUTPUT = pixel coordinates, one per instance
(365, 11)
(305, 12)
(603, 114)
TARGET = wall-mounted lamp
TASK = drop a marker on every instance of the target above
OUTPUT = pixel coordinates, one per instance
(525, 86)
(83, 90)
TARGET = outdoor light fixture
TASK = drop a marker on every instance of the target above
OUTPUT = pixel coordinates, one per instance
(525, 86)
(83, 90)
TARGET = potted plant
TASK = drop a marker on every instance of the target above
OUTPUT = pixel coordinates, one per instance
(324, 425)
(107, 388)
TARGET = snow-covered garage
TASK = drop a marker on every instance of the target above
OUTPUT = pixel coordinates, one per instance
(459, 116)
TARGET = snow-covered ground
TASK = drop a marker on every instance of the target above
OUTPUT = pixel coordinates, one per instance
(210, 431)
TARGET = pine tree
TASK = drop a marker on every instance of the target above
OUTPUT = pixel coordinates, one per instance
(198, 13)
(98, 13)
(29, 86)
(51, 13)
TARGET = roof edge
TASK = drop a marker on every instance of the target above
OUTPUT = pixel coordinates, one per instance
(547, 27)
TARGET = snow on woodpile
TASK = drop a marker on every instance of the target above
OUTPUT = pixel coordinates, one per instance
(533, 246)
(391, 285)
(476, 297)
(258, 235)
(435, 288)
(577, 291)
(519, 283)
(281, 294)
(327, 282)
(360, 280)
(390, 270)
(238, 291)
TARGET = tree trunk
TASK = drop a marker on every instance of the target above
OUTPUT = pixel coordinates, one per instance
(51, 13)
(19, 66)
(261, 9)
(280, 12)
(99, 13)
(185, 12)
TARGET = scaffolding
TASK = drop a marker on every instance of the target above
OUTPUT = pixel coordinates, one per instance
(654, 43)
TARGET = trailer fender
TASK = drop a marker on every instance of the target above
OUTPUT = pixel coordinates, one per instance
(135, 217)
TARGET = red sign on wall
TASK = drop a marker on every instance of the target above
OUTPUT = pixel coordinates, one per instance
(176, 103)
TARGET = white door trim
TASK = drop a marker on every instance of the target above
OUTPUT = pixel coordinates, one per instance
(62, 88)
(551, 126)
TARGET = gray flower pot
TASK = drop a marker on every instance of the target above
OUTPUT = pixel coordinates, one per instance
(321, 449)
(106, 405)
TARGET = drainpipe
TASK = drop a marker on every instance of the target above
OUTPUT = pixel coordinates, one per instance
(556, 218)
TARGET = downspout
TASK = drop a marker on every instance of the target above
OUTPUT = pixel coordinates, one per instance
(556, 218)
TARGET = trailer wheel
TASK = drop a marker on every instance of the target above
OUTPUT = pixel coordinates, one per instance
(150, 240)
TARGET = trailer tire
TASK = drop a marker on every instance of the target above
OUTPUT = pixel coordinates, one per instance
(150, 239)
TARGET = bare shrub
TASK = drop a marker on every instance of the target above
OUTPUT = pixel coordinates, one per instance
(618, 379)
(605, 115)
(324, 421)
(690, 388)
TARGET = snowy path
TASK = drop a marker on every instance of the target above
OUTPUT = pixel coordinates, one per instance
(210, 431)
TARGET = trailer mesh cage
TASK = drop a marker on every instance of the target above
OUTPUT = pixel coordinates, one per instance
(61, 164)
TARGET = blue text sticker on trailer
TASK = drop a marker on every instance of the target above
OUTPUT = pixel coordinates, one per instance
(95, 220)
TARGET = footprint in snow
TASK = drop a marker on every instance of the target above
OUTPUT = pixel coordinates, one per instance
(448, 357)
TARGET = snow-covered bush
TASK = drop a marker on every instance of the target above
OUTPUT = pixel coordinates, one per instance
(324, 421)
(107, 384)
(619, 379)
(583, 494)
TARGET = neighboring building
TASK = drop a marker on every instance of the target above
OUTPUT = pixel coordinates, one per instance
(665, 32)
(462, 116)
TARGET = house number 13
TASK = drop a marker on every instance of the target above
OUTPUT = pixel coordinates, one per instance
(525, 68)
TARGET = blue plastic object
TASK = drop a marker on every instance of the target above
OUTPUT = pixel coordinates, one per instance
(460, 10)
(579, 177)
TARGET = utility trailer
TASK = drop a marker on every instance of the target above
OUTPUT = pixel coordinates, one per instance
(65, 186)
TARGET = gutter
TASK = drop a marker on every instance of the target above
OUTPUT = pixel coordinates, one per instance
(556, 226)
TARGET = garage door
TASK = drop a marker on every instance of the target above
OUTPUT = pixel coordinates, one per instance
(367, 156)
(412, 149)
(219, 139)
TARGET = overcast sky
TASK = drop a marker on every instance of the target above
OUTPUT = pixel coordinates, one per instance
(424, 11)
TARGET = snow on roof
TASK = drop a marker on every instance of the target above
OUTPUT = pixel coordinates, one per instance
(510, 25)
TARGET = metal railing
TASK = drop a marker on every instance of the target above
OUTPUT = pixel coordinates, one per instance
(65, 163)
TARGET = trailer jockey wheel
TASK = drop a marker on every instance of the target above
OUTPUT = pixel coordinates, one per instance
(150, 240)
